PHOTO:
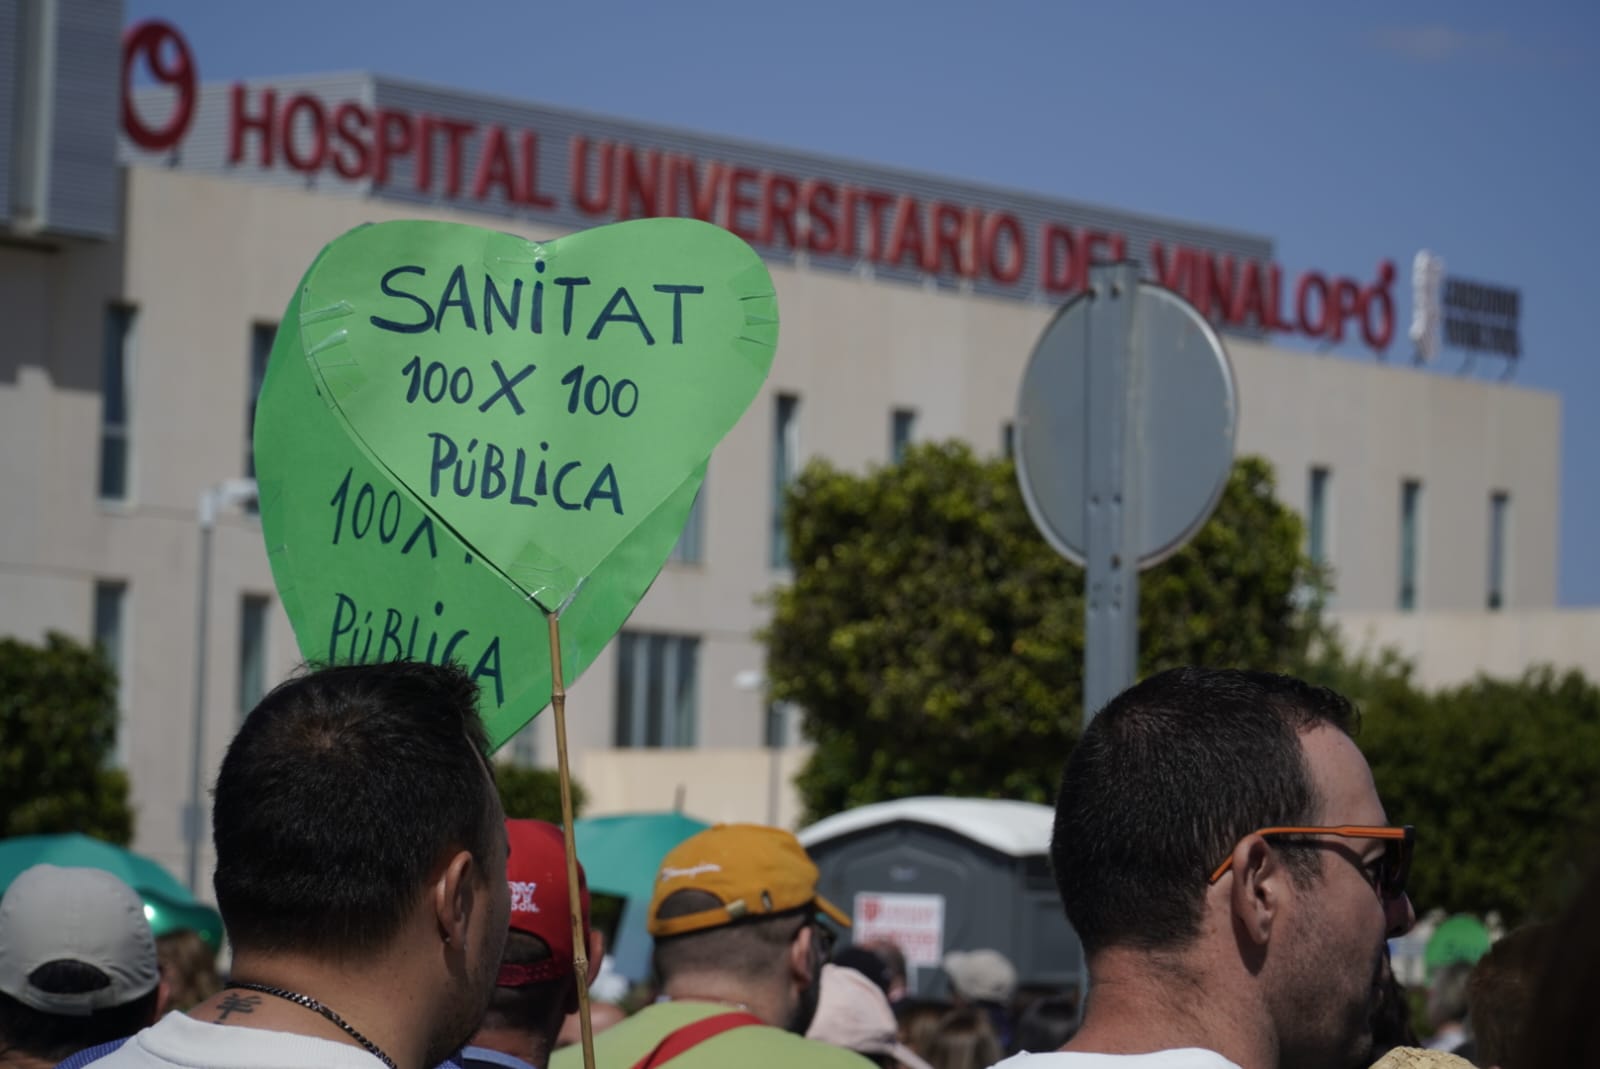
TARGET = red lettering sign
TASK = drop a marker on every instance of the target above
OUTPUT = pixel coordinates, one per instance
(148, 41)
(769, 209)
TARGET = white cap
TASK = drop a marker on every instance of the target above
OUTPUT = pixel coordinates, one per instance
(52, 914)
(981, 975)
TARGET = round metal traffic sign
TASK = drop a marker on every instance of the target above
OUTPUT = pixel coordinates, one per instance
(1182, 410)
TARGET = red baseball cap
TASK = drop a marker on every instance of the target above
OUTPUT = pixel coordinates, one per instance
(540, 905)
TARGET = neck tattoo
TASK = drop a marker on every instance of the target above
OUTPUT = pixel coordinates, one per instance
(232, 1004)
(314, 1006)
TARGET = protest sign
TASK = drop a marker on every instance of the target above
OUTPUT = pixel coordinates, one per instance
(542, 399)
(369, 570)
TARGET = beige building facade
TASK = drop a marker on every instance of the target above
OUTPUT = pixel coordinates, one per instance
(131, 364)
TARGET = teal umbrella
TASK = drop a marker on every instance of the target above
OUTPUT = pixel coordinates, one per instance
(620, 856)
(168, 905)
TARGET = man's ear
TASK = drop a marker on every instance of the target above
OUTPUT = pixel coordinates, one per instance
(1259, 888)
(163, 1000)
(453, 898)
(800, 965)
(597, 953)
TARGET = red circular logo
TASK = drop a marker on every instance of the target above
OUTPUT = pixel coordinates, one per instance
(175, 67)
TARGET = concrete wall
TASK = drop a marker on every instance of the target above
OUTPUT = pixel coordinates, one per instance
(1374, 426)
(1453, 647)
(733, 784)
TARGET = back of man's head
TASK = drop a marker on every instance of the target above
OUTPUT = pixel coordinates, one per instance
(1500, 994)
(728, 904)
(77, 962)
(338, 797)
(537, 985)
(1167, 778)
(751, 950)
(894, 959)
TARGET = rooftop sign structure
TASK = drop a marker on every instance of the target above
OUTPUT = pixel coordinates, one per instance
(368, 135)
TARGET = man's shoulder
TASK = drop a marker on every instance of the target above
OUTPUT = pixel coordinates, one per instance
(471, 1057)
(776, 1048)
(622, 1045)
(1185, 1058)
(639, 1032)
(178, 1040)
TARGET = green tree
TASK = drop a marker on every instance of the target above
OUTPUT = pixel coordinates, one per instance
(935, 641)
(58, 727)
(534, 793)
(1499, 776)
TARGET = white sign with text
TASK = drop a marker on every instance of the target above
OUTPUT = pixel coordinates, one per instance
(914, 923)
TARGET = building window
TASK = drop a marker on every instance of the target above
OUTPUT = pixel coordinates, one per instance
(1008, 440)
(253, 609)
(525, 747)
(902, 426)
(110, 620)
(116, 371)
(1317, 516)
(1410, 505)
(261, 337)
(690, 548)
(656, 689)
(1499, 508)
(785, 452)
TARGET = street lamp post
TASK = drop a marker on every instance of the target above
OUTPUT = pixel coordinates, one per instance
(212, 500)
(753, 679)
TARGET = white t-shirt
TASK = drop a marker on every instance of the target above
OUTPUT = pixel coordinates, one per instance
(1183, 1058)
(178, 1040)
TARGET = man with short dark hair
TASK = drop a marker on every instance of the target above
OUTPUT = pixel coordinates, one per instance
(894, 960)
(361, 876)
(78, 965)
(536, 986)
(1223, 856)
(1500, 994)
(739, 950)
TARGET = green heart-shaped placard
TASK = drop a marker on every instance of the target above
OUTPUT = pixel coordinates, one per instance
(541, 399)
(368, 572)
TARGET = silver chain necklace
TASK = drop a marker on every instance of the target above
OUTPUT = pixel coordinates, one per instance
(316, 1007)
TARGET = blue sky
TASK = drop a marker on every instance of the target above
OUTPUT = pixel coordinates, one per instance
(1346, 133)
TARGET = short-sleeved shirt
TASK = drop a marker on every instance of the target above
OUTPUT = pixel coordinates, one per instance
(759, 1046)
(178, 1041)
(488, 1058)
(1185, 1058)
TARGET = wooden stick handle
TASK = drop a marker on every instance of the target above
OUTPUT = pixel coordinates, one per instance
(580, 947)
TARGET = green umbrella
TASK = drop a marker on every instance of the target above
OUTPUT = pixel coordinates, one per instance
(168, 905)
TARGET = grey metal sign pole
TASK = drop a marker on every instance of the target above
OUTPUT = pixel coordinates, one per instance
(1116, 376)
(1124, 432)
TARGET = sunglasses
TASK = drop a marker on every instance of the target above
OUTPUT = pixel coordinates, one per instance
(823, 938)
(1387, 873)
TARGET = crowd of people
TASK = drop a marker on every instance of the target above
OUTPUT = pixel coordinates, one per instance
(1219, 847)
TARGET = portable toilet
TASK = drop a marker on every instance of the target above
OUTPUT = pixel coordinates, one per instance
(942, 874)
